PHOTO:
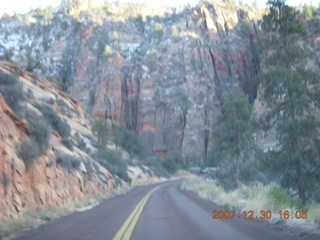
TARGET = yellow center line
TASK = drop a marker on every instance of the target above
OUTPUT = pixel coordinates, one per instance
(127, 228)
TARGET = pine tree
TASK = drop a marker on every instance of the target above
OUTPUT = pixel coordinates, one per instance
(291, 95)
(234, 138)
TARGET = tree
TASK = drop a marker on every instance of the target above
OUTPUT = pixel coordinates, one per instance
(308, 11)
(234, 138)
(174, 32)
(158, 30)
(115, 38)
(291, 94)
(100, 130)
(128, 140)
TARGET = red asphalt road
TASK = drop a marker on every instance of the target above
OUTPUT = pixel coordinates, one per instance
(170, 213)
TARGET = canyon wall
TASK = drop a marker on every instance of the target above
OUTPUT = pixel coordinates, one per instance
(163, 76)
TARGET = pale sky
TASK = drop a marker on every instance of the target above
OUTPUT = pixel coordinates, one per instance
(23, 6)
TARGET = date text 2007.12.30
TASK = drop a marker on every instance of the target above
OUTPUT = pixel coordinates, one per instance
(259, 215)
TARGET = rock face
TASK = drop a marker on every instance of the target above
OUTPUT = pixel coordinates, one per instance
(44, 183)
(163, 77)
(47, 183)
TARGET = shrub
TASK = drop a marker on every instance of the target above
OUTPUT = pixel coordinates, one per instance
(96, 167)
(91, 97)
(155, 164)
(158, 30)
(113, 161)
(11, 89)
(68, 162)
(282, 198)
(170, 166)
(61, 126)
(50, 101)
(129, 141)
(107, 50)
(174, 32)
(68, 143)
(38, 142)
(80, 142)
(39, 130)
(51, 162)
(100, 130)
(75, 163)
(5, 179)
(309, 11)
(89, 167)
(29, 151)
(179, 160)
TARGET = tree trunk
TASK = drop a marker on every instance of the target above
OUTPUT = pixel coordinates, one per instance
(237, 171)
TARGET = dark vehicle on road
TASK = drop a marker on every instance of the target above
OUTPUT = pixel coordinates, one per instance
(203, 170)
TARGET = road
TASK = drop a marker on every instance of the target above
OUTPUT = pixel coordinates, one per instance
(158, 211)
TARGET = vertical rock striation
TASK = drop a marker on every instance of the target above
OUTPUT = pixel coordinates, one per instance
(165, 83)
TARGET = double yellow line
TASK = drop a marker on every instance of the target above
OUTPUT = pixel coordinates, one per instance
(127, 228)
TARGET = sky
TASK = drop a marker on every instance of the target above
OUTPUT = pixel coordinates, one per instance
(23, 6)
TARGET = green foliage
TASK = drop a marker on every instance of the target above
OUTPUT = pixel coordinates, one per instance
(140, 25)
(61, 126)
(68, 143)
(113, 161)
(39, 130)
(29, 151)
(129, 141)
(156, 165)
(68, 162)
(158, 30)
(179, 160)
(6, 180)
(200, 22)
(107, 50)
(308, 11)
(282, 199)
(98, 41)
(291, 93)
(44, 15)
(38, 141)
(92, 97)
(170, 165)
(234, 140)
(115, 38)
(174, 32)
(89, 167)
(100, 130)
(8, 54)
(80, 142)
(11, 90)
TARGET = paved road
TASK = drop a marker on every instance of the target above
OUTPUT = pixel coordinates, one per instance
(153, 213)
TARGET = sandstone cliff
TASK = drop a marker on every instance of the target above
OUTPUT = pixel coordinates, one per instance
(161, 76)
(48, 182)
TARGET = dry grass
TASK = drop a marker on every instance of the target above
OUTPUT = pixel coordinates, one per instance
(256, 198)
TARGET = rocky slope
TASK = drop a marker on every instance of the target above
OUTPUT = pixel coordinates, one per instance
(161, 76)
(49, 181)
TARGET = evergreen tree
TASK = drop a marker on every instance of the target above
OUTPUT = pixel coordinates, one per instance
(234, 139)
(100, 130)
(291, 95)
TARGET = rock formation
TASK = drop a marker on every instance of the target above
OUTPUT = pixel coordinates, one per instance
(46, 182)
(162, 77)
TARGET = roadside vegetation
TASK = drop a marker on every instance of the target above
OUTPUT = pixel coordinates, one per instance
(258, 198)
(114, 161)
(289, 93)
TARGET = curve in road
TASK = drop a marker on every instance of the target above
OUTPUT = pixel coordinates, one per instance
(157, 212)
